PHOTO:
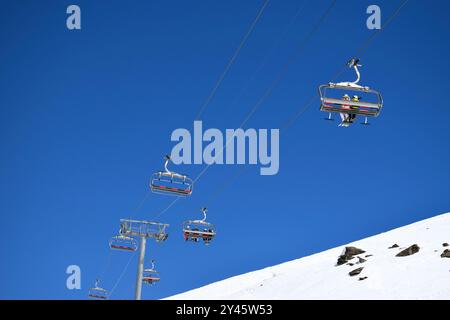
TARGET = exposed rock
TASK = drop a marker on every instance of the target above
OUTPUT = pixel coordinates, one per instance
(350, 264)
(445, 254)
(361, 260)
(355, 272)
(362, 278)
(393, 246)
(445, 244)
(409, 251)
(348, 254)
(368, 255)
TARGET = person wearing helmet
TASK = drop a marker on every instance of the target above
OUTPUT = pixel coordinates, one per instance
(345, 116)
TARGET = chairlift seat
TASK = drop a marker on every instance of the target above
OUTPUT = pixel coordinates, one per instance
(150, 280)
(96, 296)
(150, 275)
(123, 243)
(172, 184)
(194, 230)
(330, 102)
(98, 293)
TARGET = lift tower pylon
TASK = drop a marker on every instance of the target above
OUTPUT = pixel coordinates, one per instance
(143, 230)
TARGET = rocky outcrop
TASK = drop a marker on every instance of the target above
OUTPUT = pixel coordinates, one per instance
(355, 272)
(445, 254)
(348, 254)
(393, 246)
(361, 260)
(445, 244)
(362, 278)
(408, 251)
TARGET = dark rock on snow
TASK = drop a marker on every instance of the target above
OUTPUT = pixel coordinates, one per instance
(445, 254)
(355, 272)
(445, 244)
(362, 278)
(393, 246)
(408, 251)
(348, 254)
(369, 255)
(361, 260)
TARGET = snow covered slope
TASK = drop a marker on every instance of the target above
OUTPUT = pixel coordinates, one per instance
(422, 275)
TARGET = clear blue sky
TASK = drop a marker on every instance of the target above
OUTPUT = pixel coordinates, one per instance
(86, 117)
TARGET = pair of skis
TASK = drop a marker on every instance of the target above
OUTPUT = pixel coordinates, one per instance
(347, 122)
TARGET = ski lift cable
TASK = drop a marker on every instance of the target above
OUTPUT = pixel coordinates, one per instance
(233, 58)
(276, 81)
(364, 46)
(303, 109)
(262, 64)
(211, 95)
(124, 270)
(312, 99)
(167, 208)
(212, 197)
(147, 195)
(268, 92)
(286, 66)
(106, 267)
(266, 57)
(225, 185)
(219, 81)
(276, 44)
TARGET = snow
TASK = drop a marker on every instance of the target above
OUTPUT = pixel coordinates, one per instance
(424, 275)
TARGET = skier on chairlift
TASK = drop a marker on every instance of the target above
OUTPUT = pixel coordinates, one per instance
(344, 116)
(355, 98)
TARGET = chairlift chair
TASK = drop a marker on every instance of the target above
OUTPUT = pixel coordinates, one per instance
(123, 243)
(97, 292)
(333, 101)
(150, 275)
(195, 230)
(171, 183)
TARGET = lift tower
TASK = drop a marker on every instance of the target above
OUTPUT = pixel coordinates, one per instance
(143, 230)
